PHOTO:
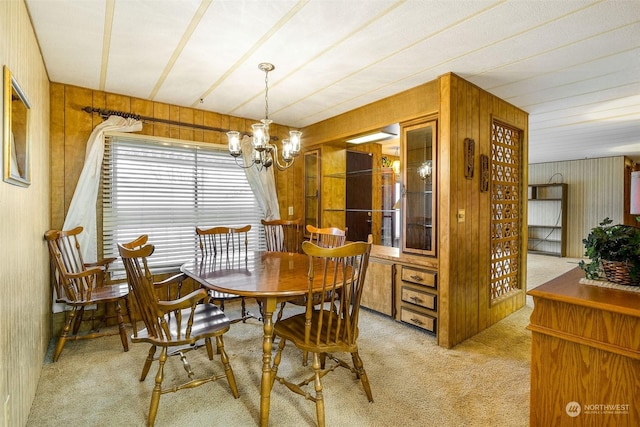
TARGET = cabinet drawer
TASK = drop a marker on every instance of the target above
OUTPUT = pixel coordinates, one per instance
(418, 319)
(422, 299)
(421, 277)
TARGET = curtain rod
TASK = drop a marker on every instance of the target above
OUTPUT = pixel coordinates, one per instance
(106, 113)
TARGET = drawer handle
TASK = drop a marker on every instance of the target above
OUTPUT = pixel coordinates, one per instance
(416, 300)
(416, 278)
(417, 321)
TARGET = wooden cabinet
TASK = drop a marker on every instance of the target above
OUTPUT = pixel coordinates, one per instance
(390, 209)
(585, 354)
(419, 178)
(547, 219)
(411, 288)
(359, 195)
(398, 283)
(449, 223)
(311, 189)
(324, 186)
(417, 297)
(404, 287)
(377, 293)
(357, 192)
(333, 188)
(371, 197)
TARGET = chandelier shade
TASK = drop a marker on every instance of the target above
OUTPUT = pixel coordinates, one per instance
(424, 170)
(264, 153)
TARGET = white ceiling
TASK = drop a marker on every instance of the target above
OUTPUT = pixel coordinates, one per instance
(574, 65)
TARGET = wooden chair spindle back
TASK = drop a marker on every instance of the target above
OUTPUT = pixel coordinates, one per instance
(155, 313)
(328, 237)
(225, 247)
(74, 280)
(283, 235)
(223, 240)
(342, 276)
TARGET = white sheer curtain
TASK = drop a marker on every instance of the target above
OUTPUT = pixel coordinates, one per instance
(82, 210)
(262, 182)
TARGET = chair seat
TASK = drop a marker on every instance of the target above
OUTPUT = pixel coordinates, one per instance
(108, 293)
(208, 321)
(293, 329)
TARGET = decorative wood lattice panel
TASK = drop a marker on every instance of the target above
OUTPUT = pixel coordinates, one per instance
(505, 210)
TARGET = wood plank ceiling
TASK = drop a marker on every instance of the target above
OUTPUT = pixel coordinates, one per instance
(573, 65)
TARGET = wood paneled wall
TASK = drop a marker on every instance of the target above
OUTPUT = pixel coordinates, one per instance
(596, 190)
(403, 106)
(464, 247)
(24, 261)
(71, 127)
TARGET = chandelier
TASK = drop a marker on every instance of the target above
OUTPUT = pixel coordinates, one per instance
(425, 169)
(264, 153)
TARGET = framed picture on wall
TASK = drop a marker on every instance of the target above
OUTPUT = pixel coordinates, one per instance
(16, 133)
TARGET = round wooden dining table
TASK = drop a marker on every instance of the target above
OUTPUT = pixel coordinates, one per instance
(270, 277)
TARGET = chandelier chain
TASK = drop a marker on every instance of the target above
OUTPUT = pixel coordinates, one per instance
(266, 94)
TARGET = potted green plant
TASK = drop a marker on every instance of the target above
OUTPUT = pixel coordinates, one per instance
(615, 251)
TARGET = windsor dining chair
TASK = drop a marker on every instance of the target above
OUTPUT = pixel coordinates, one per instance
(84, 287)
(176, 326)
(226, 246)
(283, 235)
(324, 331)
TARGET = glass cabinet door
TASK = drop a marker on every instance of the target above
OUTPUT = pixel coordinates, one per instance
(419, 178)
(390, 209)
(311, 188)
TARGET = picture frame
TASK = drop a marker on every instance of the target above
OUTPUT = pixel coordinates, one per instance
(16, 135)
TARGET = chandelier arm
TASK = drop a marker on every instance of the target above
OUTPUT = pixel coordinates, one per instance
(242, 165)
(276, 160)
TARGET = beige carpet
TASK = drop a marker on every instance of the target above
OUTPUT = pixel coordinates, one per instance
(482, 382)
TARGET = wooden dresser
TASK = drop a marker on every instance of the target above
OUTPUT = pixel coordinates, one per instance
(417, 297)
(585, 354)
(403, 286)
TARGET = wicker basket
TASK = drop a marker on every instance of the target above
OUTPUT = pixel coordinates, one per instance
(618, 272)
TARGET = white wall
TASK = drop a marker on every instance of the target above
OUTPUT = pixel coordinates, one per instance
(595, 191)
(24, 217)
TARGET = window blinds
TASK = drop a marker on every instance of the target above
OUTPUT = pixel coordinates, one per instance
(165, 188)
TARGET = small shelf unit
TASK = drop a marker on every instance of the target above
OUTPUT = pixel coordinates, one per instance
(547, 219)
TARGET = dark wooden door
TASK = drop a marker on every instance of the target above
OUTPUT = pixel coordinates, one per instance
(358, 197)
